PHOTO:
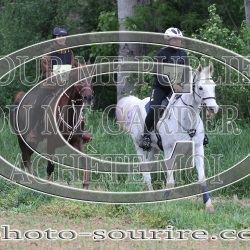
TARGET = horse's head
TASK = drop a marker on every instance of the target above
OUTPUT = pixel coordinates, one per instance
(84, 91)
(83, 87)
(204, 89)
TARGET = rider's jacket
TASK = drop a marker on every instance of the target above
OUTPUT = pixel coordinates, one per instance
(169, 55)
(55, 55)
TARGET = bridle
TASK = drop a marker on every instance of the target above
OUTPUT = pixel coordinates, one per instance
(79, 92)
(192, 131)
(203, 104)
(77, 121)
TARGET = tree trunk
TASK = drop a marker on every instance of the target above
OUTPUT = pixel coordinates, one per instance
(127, 51)
(247, 12)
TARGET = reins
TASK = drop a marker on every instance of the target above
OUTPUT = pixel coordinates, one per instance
(76, 120)
(192, 132)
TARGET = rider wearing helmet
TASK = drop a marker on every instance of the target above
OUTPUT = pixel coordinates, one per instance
(59, 56)
(161, 85)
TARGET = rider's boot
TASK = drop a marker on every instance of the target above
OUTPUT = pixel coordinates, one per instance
(145, 143)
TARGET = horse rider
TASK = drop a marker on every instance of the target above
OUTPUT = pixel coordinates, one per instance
(161, 85)
(60, 56)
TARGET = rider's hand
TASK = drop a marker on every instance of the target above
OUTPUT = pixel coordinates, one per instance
(177, 88)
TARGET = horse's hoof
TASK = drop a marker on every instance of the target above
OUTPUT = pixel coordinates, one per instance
(170, 185)
(167, 192)
(49, 178)
(148, 188)
(210, 207)
(85, 185)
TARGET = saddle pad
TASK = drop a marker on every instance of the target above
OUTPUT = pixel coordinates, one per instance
(147, 107)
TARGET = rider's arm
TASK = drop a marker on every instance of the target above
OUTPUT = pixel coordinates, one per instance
(75, 62)
(46, 66)
(184, 57)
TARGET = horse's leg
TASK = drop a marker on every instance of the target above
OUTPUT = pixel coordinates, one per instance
(50, 170)
(142, 158)
(170, 182)
(25, 163)
(26, 154)
(152, 156)
(199, 161)
(86, 175)
(78, 144)
(50, 165)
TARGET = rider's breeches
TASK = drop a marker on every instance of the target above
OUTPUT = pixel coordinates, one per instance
(157, 95)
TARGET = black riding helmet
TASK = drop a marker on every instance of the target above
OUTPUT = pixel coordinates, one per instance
(59, 31)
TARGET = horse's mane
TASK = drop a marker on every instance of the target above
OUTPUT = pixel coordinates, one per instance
(18, 97)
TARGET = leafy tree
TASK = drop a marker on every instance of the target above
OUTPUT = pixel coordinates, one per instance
(27, 22)
(188, 15)
(214, 31)
(105, 89)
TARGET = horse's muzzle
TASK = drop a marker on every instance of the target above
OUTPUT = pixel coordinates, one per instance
(88, 99)
(211, 110)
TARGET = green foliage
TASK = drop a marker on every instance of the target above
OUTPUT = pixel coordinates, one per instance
(184, 14)
(105, 89)
(230, 33)
(108, 21)
(32, 21)
(215, 31)
(231, 91)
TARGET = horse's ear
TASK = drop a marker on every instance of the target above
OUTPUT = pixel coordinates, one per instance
(199, 69)
(211, 69)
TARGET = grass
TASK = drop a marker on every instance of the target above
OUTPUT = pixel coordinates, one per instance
(110, 143)
(232, 211)
(183, 214)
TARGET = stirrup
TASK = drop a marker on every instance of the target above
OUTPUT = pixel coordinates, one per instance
(205, 140)
(145, 143)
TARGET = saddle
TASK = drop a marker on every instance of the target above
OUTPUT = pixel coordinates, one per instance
(163, 113)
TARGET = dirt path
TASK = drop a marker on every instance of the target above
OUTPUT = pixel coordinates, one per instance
(56, 220)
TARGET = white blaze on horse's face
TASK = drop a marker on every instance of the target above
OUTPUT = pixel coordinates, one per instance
(205, 90)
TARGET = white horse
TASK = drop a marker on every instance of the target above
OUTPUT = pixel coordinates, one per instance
(181, 123)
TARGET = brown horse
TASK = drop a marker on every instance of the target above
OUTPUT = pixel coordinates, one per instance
(69, 120)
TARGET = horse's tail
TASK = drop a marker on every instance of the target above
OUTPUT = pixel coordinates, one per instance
(123, 107)
(18, 97)
(16, 100)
